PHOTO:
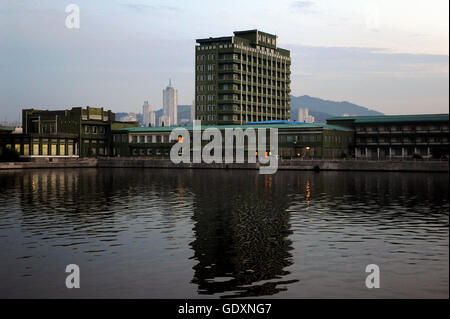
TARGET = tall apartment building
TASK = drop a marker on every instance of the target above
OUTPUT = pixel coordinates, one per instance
(242, 78)
(170, 104)
(148, 116)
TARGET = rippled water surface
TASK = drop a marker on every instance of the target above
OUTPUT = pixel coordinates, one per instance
(215, 233)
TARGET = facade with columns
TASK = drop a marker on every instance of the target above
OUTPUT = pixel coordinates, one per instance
(398, 136)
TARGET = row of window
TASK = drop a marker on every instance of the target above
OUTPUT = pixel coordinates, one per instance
(254, 69)
(337, 138)
(149, 152)
(210, 117)
(150, 138)
(258, 48)
(209, 57)
(392, 152)
(266, 39)
(209, 77)
(405, 128)
(52, 149)
(206, 67)
(259, 80)
(299, 138)
(251, 118)
(202, 88)
(92, 129)
(206, 97)
(252, 89)
(202, 108)
(436, 139)
(250, 98)
(252, 59)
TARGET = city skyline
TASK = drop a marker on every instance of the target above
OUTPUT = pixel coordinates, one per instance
(371, 53)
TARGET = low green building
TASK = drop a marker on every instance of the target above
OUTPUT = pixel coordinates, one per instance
(398, 136)
(294, 140)
(78, 132)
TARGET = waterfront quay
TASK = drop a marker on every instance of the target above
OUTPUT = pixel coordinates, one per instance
(283, 164)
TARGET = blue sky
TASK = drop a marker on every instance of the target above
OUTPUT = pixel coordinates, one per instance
(391, 56)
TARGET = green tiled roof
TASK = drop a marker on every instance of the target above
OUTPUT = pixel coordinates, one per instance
(393, 118)
(245, 126)
(6, 128)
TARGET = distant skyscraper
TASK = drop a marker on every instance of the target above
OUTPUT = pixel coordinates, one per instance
(303, 116)
(164, 120)
(146, 110)
(152, 118)
(170, 104)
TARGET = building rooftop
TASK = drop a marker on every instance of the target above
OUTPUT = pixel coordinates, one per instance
(6, 129)
(245, 126)
(393, 118)
(275, 122)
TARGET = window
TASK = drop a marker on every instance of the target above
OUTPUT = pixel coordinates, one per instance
(134, 139)
(87, 129)
(142, 139)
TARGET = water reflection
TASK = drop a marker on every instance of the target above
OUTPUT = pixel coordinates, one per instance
(187, 233)
(241, 235)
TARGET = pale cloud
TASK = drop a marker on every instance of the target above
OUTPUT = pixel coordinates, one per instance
(142, 7)
(302, 4)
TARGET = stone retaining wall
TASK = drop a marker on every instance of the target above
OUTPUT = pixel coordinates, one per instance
(337, 165)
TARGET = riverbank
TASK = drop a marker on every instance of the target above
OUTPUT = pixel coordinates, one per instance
(326, 165)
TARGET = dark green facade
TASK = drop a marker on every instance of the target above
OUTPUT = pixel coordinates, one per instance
(78, 132)
(241, 78)
(294, 140)
(398, 136)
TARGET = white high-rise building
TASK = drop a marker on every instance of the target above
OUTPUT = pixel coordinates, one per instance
(170, 104)
(303, 116)
(131, 117)
(146, 110)
(152, 118)
(164, 120)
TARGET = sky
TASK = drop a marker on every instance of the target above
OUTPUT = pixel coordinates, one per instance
(389, 56)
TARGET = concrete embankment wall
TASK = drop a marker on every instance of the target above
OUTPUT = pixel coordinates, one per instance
(338, 165)
(361, 165)
(51, 163)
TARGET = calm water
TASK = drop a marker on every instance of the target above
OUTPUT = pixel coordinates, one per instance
(215, 233)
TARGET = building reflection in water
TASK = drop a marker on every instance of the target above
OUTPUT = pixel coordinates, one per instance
(241, 235)
(223, 233)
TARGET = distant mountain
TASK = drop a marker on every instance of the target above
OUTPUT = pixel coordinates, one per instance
(323, 109)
